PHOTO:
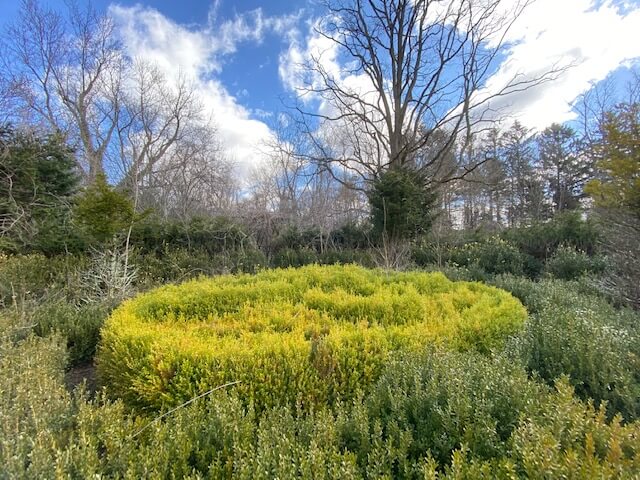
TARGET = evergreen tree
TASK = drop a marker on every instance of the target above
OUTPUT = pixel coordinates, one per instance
(523, 190)
(402, 204)
(103, 212)
(616, 194)
(565, 169)
(38, 177)
(618, 161)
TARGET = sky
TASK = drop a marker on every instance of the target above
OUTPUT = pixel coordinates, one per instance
(242, 54)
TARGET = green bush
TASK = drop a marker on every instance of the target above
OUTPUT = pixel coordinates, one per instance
(103, 212)
(30, 278)
(426, 254)
(212, 235)
(494, 256)
(79, 325)
(403, 203)
(176, 264)
(309, 336)
(351, 236)
(568, 439)
(290, 257)
(444, 401)
(567, 263)
(38, 178)
(432, 415)
(542, 239)
(345, 257)
(292, 237)
(574, 333)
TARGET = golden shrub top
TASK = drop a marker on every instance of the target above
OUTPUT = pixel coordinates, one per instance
(316, 324)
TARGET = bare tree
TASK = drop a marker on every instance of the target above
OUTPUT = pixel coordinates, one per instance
(194, 178)
(305, 194)
(620, 243)
(417, 69)
(157, 113)
(66, 74)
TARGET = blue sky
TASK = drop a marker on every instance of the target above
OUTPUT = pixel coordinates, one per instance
(242, 54)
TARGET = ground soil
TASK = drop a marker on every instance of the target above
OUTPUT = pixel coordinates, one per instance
(78, 374)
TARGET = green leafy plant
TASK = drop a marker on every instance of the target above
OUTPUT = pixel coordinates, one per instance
(402, 205)
(493, 256)
(568, 263)
(309, 336)
(103, 212)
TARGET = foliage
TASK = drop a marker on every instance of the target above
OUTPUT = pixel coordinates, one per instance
(621, 231)
(294, 238)
(402, 205)
(616, 192)
(443, 401)
(37, 180)
(28, 279)
(178, 264)
(434, 414)
(541, 240)
(493, 256)
(290, 257)
(519, 251)
(568, 439)
(565, 169)
(79, 325)
(103, 212)
(211, 235)
(568, 263)
(575, 333)
(619, 161)
(306, 336)
(350, 236)
(345, 257)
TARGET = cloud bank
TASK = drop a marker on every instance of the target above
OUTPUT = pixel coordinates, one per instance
(595, 37)
(200, 55)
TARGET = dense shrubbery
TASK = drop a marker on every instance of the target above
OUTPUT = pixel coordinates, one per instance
(434, 414)
(309, 336)
(38, 179)
(494, 256)
(30, 278)
(567, 263)
(50, 295)
(213, 235)
(79, 325)
(541, 240)
(563, 247)
(576, 333)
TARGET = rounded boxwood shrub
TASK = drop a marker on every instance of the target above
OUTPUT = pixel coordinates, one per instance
(567, 263)
(493, 256)
(304, 336)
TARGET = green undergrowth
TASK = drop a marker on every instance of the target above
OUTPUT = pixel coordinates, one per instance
(431, 414)
(306, 336)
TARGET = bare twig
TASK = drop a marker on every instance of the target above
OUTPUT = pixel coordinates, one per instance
(166, 414)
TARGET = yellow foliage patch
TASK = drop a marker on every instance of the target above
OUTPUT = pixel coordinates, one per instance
(308, 336)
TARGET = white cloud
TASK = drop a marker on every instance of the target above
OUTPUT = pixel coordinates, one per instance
(199, 54)
(292, 62)
(317, 49)
(148, 34)
(249, 26)
(595, 36)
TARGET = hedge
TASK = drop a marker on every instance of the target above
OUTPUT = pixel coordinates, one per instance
(305, 336)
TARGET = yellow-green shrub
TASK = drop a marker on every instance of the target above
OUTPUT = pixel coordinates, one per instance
(307, 336)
